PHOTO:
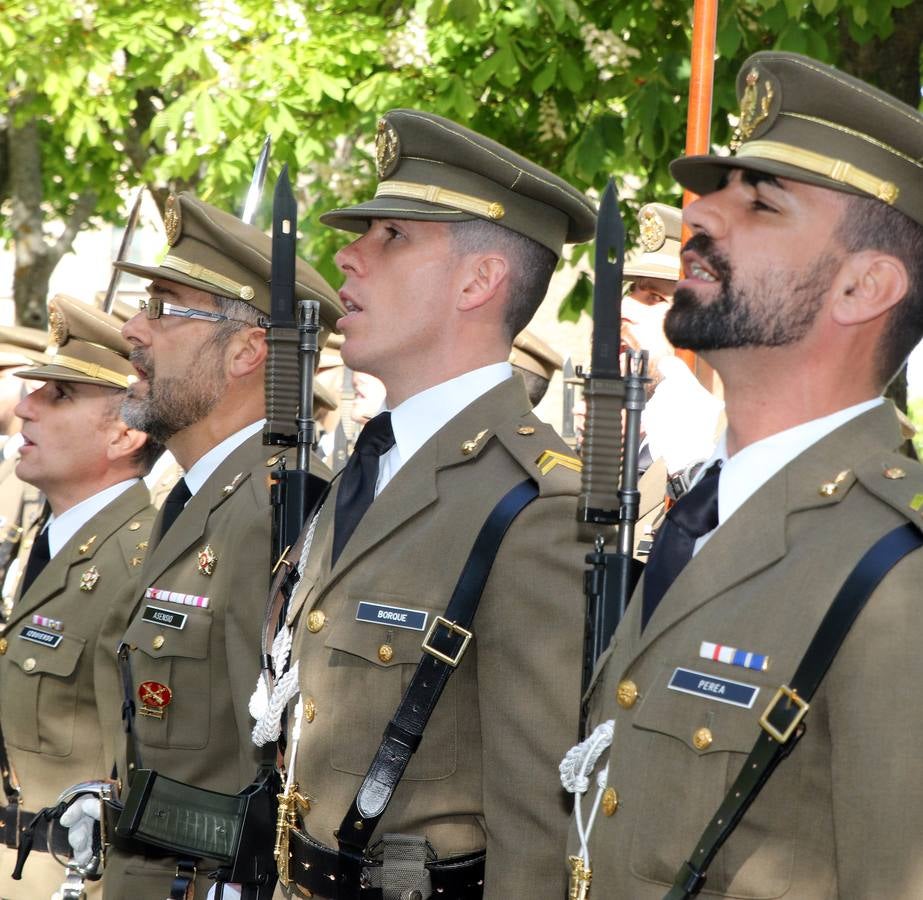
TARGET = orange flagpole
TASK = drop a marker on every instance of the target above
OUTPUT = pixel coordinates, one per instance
(698, 123)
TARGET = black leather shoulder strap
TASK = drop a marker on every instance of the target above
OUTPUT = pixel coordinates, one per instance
(782, 721)
(443, 648)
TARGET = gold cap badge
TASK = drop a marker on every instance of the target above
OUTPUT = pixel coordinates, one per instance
(172, 219)
(57, 324)
(653, 230)
(387, 148)
(754, 106)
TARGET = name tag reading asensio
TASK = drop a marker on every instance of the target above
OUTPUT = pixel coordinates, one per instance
(399, 617)
(712, 687)
(158, 616)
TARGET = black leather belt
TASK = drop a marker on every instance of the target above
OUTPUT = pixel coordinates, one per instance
(14, 822)
(316, 868)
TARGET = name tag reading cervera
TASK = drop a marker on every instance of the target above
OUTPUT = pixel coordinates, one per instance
(415, 619)
(713, 688)
(37, 636)
(159, 616)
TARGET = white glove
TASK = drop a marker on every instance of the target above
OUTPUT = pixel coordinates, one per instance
(230, 892)
(79, 819)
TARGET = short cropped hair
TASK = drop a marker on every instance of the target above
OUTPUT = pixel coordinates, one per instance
(869, 224)
(531, 266)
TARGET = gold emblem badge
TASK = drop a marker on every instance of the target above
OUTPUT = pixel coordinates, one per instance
(387, 148)
(89, 578)
(754, 106)
(653, 230)
(85, 548)
(468, 447)
(57, 324)
(172, 220)
(207, 560)
(136, 561)
(229, 488)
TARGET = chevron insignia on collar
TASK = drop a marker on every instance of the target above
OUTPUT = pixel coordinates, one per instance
(549, 459)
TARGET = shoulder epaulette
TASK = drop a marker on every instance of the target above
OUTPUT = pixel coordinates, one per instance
(897, 481)
(541, 452)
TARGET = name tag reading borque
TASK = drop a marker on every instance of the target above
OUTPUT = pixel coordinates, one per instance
(37, 636)
(166, 617)
(414, 619)
(711, 687)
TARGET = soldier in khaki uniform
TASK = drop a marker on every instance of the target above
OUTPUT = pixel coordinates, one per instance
(53, 675)
(804, 289)
(454, 257)
(199, 352)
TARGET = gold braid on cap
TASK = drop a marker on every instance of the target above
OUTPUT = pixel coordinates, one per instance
(210, 277)
(94, 370)
(835, 169)
(431, 193)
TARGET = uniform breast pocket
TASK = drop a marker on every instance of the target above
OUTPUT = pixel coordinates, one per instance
(691, 741)
(40, 694)
(171, 649)
(372, 663)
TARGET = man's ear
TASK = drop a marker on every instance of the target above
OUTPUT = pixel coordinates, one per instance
(869, 284)
(485, 278)
(247, 351)
(124, 442)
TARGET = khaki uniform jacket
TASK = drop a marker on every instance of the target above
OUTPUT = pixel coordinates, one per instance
(842, 816)
(218, 548)
(485, 773)
(55, 702)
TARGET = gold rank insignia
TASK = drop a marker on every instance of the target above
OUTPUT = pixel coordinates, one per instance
(207, 560)
(85, 548)
(136, 561)
(468, 447)
(89, 578)
(549, 459)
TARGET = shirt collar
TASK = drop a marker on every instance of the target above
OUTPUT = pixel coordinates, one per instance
(62, 528)
(749, 469)
(202, 469)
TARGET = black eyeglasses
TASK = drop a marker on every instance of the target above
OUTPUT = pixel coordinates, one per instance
(154, 307)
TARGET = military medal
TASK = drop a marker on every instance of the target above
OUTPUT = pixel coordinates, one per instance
(89, 578)
(155, 698)
(734, 657)
(207, 560)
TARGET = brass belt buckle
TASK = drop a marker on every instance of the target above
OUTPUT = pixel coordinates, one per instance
(793, 698)
(451, 627)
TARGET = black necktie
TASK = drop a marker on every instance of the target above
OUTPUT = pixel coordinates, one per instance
(357, 483)
(693, 515)
(176, 500)
(38, 559)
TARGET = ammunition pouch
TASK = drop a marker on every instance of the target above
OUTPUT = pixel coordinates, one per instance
(162, 817)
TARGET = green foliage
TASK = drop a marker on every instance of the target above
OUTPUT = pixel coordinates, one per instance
(178, 94)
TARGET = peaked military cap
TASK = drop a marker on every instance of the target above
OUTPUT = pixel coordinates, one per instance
(531, 353)
(431, 169)
(214, 251)
(808, 121)
(21, 346)
(657, 255)
(86, 346)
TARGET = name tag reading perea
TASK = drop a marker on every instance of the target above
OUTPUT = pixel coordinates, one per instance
(711, 687)
(397, 616)
(157, 616)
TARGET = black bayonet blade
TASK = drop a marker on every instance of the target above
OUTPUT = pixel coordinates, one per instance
(607, 287)
(284, 226)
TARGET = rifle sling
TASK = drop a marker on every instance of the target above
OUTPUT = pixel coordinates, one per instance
(783, 715)
(443, 647)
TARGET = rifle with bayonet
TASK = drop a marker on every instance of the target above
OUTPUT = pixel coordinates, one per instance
(255, 191)
(292, 340)
(609, 491)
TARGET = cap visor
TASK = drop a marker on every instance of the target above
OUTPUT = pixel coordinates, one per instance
(704, 174)
(357, 218)
(62, 373)
(162, 273)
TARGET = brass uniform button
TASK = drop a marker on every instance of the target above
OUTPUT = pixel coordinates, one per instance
(310, 709)
(385, 653)
(626, 694)
(525, 429)
(134, 526)
(158, 642)
(610, 801)
(895, 473)
(28, 665)
(316, 619)
(4, 646)
(702, 739)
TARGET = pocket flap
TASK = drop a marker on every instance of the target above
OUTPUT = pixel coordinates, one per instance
(45, 659)
(163, 630)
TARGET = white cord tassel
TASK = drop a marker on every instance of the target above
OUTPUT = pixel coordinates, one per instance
(269, 700)
(575, 771)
